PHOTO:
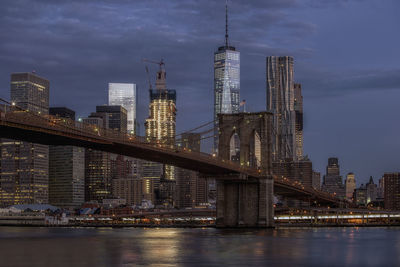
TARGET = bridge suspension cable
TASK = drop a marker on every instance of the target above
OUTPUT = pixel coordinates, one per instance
(196, 128)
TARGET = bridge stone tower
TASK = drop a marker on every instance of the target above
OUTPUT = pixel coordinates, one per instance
(245, 200)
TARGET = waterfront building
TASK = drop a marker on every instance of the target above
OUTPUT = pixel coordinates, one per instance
(126, 181)
(129, 189)
(124, 94)
(280, 101)
(332, 180)
(151, 173)
(191, 189)
(372, 190)
(160, 128)
(298, 108)
(350, 185)
(226, 81)
(66, 168)
(392, 190)
(25, 166)
(316, 180)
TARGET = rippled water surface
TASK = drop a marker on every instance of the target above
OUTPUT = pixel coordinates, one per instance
(199, 247)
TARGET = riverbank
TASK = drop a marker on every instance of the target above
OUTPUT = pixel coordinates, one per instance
(277, 226)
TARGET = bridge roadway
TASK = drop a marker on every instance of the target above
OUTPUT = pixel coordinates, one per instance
(49, 130)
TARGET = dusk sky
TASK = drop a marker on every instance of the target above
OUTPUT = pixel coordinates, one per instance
(346, 58)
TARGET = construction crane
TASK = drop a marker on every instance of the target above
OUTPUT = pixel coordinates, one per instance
(160, 63)
(148, 78)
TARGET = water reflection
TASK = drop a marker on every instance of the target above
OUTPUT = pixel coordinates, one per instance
(134, 246)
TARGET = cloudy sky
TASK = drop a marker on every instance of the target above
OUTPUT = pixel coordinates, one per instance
(346, 58)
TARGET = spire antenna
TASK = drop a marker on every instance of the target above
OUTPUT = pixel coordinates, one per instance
(226, 23)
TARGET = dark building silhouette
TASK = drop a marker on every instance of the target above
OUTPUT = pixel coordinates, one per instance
(360, 195)
(392, 190)
(372, 190)
(332, 180)
(116, 117)
(316, 180)
(62, 112)
(300, 171)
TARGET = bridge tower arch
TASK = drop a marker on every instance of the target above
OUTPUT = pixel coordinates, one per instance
(248, 201)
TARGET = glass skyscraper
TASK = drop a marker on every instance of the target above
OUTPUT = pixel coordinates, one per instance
(124, 94)
(226, 81)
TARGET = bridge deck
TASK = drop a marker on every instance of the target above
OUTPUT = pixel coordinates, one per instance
(49, 130)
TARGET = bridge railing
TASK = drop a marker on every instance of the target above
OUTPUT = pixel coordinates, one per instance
(67, 126)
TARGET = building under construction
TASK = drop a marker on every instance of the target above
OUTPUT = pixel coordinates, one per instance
(159, 180)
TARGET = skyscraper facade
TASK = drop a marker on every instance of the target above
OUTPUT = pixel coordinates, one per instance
(281, 102)
(350, 185)
(226, 81)
(98, 169)
(191, 188)
(160, 128)
(316, 180)
(116, 117)
(392, 190)
(372, 190)
(332, 180)
(98, 183)
(66, 169)
(25, 166)
(298, 109)
(124, 94)
(360, 195)
(300, 171)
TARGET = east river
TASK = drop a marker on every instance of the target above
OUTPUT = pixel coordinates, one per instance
(30, 246)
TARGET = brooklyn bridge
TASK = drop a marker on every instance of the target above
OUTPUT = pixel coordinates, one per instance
(244, 192)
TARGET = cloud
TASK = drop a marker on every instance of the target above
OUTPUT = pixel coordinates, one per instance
(325, 83)
(80, 46)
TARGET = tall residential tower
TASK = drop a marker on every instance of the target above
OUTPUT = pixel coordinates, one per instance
(281, 102)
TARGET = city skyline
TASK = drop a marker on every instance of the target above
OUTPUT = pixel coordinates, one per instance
(353, 125)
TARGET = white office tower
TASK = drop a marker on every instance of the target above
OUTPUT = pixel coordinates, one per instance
(124, 94)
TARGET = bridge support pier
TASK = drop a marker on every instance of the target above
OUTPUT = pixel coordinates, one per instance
(245, 203)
